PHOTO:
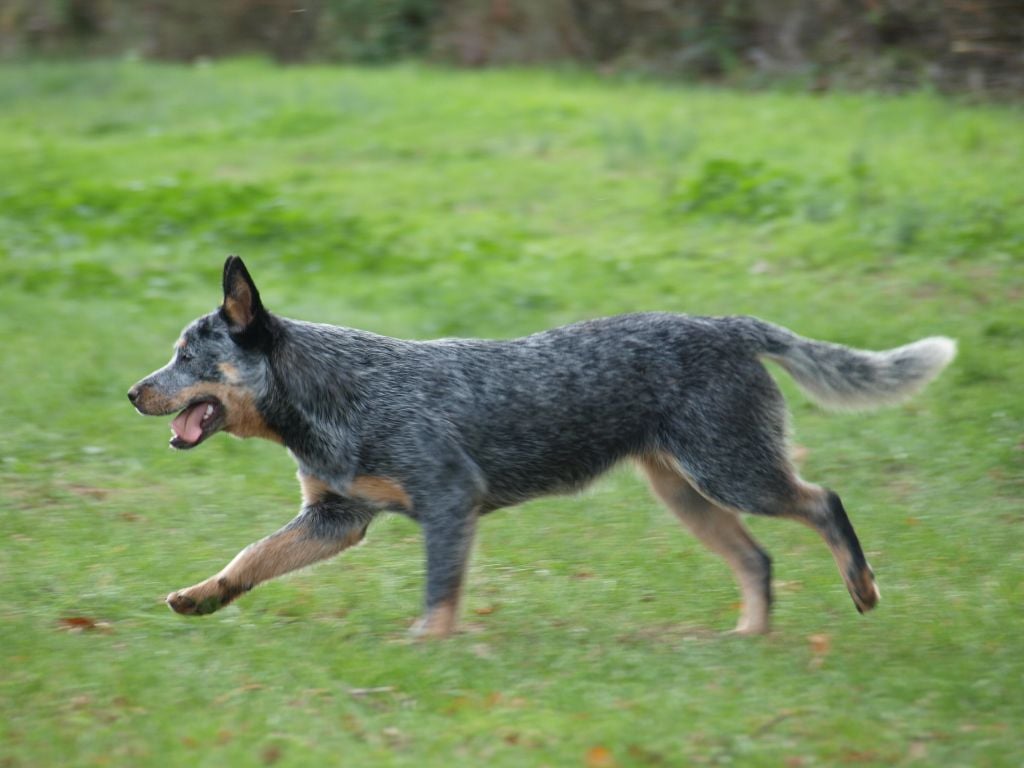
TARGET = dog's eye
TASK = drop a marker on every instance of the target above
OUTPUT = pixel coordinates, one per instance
(185, 356)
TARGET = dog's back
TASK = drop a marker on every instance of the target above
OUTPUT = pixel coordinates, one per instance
(550, 411)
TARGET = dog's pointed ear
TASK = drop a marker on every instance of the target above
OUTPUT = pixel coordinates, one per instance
(242, 308)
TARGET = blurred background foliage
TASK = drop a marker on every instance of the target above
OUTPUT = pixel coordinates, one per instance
(972, 45)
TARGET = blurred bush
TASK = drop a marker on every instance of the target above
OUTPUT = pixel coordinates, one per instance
(288, 30)
(976, 44)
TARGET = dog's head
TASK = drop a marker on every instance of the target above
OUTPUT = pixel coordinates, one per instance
(220, 369)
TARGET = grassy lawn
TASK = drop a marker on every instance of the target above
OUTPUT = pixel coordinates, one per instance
(422, 203)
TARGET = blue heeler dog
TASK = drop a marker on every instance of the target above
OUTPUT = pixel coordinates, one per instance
(446, 431)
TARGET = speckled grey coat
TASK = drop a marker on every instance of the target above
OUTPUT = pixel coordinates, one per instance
(447, 430)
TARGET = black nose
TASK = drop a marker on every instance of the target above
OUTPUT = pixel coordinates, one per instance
(133, 394)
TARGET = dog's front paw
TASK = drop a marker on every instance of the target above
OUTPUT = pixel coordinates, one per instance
(437, 623)
(206, 597)
(195, 601)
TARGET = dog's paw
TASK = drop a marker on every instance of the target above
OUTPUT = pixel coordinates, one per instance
(193, 605)
(181, 603)
(864, 590)
(750, 628)
(435, 624)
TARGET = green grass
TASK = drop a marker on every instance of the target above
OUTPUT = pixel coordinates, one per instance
(422, 203)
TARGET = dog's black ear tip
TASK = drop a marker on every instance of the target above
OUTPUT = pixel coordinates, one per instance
(233, 262)
(235, 274)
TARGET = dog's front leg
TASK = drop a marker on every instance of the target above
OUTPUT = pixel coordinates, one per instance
(321, 530)
(449, 538)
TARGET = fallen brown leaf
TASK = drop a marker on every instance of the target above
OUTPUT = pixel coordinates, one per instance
(271, 754)
(82, 624)
(600, 757)
(458, 704)
(820, 644)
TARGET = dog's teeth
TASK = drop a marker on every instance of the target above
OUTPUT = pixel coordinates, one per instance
(209, 411)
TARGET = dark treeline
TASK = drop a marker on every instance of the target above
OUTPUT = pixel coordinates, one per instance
(951, 44)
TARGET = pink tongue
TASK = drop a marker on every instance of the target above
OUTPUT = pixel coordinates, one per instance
(189, 424)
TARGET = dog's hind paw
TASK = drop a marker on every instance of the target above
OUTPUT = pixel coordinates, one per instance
(864, 590)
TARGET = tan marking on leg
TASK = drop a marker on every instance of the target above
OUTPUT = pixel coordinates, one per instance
(719, 529)
(441, 620)
(812, 510)
(282, 552)
(813, 498)
(287, 550)
(380, 490)
(313, 489)
(437, 623)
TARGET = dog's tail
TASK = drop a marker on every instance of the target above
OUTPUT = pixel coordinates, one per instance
(839, 377)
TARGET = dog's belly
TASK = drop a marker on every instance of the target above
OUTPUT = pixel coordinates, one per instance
(519, 465)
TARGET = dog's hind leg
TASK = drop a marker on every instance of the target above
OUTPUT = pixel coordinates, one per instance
(321, 530)
(771, 487)
(722, 532)
(820, 509)
(730, 443)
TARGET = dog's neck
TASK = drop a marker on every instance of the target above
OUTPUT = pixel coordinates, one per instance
(296, 407)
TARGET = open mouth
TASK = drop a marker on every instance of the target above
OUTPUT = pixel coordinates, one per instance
(196, 423)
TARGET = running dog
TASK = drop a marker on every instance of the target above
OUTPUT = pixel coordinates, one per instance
(446, 431)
